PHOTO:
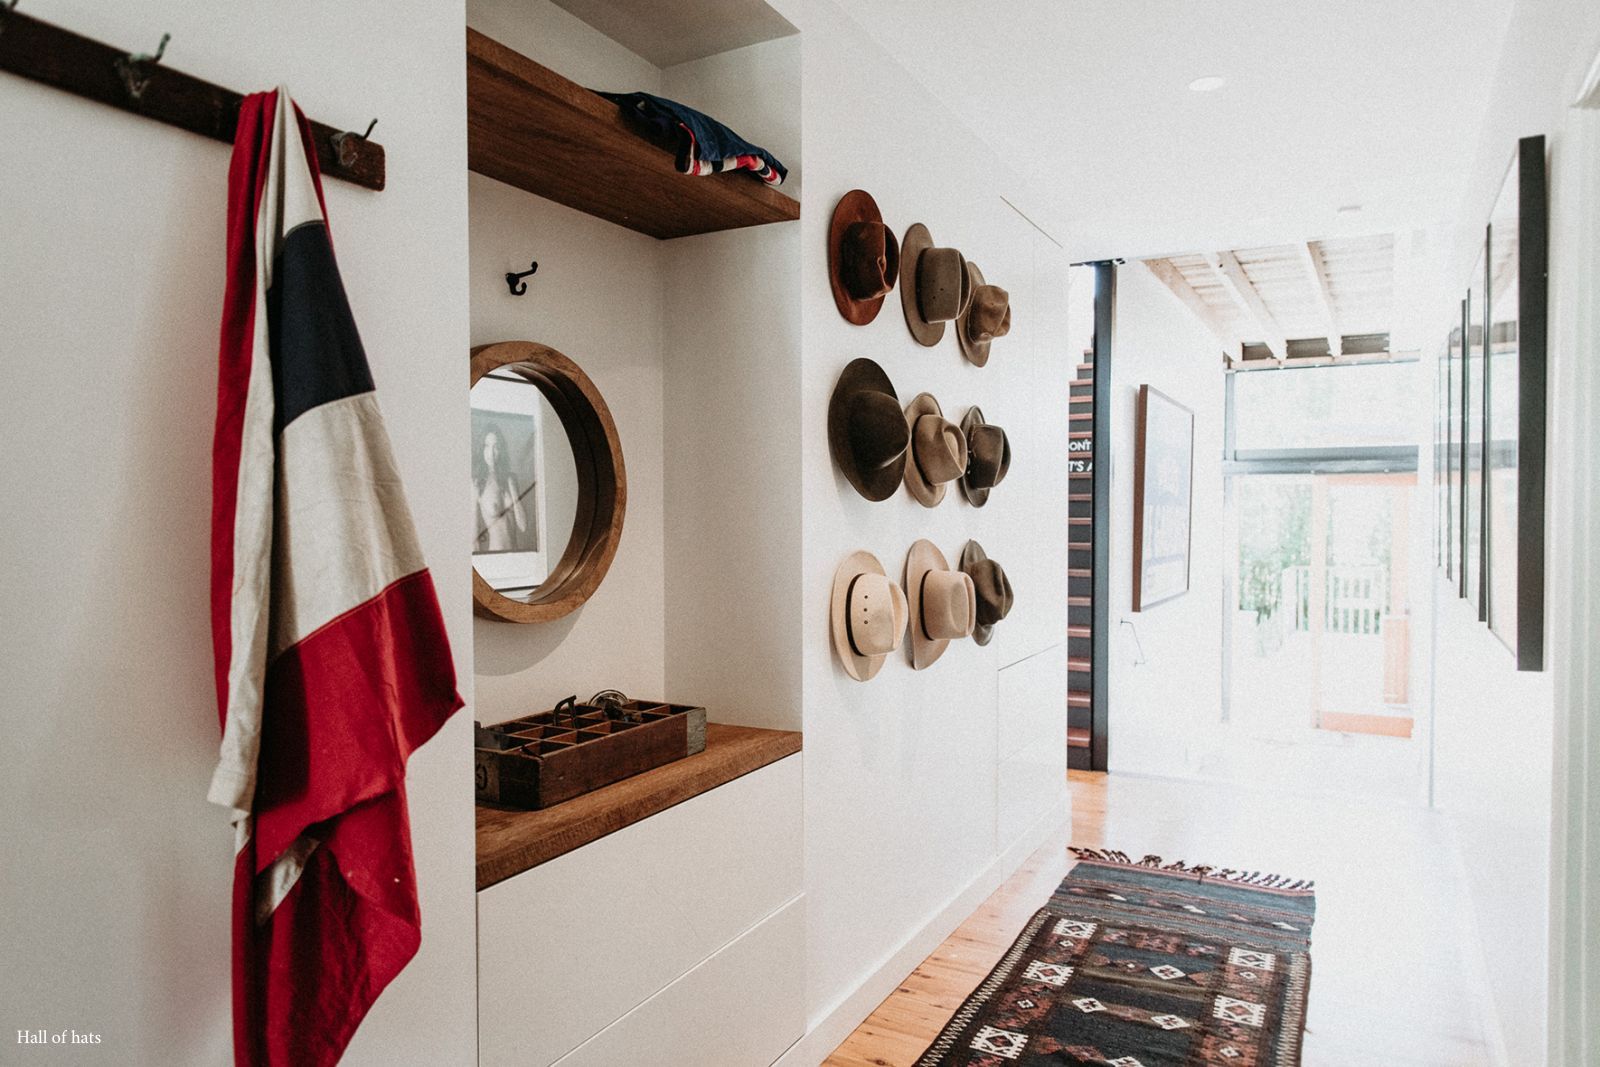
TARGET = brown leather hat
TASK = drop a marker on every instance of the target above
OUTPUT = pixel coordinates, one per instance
(988, 457)
(988, 316)
(867, 431)
(934, 285)
(942, 604)
(990, 587)
(863, 257)
(937, 454)
(868, 612)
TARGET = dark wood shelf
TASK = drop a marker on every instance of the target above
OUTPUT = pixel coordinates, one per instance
(510, 842)
(529, 127)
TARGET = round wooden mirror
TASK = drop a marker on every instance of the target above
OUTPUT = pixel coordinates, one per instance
(548, 484)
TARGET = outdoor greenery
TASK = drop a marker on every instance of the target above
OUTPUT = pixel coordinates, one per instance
(1274, 535)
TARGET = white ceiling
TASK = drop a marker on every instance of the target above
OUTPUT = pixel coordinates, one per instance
(670, 33)
(1327, 103)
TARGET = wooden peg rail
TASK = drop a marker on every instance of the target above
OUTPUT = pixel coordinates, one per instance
(65, 60)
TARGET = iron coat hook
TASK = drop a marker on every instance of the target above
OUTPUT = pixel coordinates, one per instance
(132, 67)
(515, 283)
(343, 149)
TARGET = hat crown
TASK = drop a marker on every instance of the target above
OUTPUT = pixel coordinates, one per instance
(875, 615)
(990, 314)
(944, 288)
(948, 605)
(877, 430)
(939, 448)
(989, 456)
(869, 259)
(992, 589)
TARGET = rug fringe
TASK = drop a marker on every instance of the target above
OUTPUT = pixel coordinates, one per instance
(1262, 879)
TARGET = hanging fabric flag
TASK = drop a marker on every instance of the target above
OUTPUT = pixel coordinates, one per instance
(332, 663)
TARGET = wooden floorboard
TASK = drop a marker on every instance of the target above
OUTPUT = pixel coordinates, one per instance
(1391, 978)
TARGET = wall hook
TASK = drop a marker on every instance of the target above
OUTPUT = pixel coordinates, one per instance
(344, 149)
(515, 283)
(132, 67)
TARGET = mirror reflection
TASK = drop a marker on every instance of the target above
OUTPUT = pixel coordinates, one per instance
(524, 483)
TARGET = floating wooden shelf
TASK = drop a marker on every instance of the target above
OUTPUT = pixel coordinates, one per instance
(529, 127)
(510, 842)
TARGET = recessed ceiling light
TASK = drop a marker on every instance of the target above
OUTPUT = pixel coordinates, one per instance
(1210, 83)
(1350, 209)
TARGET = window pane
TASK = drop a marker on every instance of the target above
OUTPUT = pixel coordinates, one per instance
(1326, 407)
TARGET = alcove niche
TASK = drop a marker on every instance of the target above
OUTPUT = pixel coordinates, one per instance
(606, 935)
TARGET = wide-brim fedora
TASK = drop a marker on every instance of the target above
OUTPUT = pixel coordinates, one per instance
(990, 587)
(855, 214)
(866, 430)
(988, 457)
(941, 283)
(928, 470)
(984, 296)
(940, 601)
(887, 616)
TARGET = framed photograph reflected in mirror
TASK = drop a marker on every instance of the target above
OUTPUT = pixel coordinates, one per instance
(1472, 441)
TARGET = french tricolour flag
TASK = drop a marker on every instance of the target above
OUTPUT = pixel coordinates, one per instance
(331, 658)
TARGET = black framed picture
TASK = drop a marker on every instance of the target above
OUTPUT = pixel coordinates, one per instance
(1515, 379)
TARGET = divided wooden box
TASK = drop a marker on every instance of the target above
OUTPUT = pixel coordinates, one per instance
(543, 759)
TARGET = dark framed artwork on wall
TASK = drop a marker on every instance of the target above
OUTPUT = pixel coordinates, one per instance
(1163, 486)
(1515, 407)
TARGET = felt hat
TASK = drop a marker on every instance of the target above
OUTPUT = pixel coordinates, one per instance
(867, 431)
(942, 603)
(937, 454)
(863, 257)
(868, 613)
(988, 316)
(988, 457)
(934, 285)
(990, 587)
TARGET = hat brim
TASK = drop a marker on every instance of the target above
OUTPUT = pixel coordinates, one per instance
(923, 557)
(971, 554)
(855, 206)
(977, 352)
(975, 496)
(861, 668)
(926, 493)
(860, 375)
(916, 241)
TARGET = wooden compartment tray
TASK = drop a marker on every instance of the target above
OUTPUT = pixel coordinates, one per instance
(543, 759)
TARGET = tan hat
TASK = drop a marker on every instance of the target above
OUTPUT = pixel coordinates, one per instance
(988, 316)
(868, 613)
(988, 457)
(991, 588)
(863, 257)
(934, 285)
(867, 431)
(937, 455)
(942, 603)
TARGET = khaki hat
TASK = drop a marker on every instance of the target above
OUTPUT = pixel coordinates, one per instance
(943, 605)
(934, 285)
(937, 455)
(988, 316)
(988, 457)
(868, 613)
(867, 431)
(863, 257)
(991, 588)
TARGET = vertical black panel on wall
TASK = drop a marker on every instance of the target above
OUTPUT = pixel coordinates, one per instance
(1105, 304)
(1533, 280)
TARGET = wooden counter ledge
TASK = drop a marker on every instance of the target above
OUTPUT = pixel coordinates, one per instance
(510, 842)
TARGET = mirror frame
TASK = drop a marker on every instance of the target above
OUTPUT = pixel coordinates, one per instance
(602, 483)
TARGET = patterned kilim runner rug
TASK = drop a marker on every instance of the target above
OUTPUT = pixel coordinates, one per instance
(1140, 964)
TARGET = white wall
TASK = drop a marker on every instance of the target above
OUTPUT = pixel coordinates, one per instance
(1162, 707)
(115, 890)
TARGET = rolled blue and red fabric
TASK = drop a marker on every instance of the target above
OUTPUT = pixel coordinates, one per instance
(332, 663)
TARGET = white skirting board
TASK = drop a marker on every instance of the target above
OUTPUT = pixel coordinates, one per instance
(849, 1012)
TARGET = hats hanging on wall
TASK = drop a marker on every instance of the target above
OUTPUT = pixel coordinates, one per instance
(988, 316)
(988, 457)
(935, 287)
(867, 431)
(863, 257)
(942, 603)
(868, 614)
(937, 455)
(991, 590)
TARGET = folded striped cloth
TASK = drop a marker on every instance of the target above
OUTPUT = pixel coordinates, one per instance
(704, 145)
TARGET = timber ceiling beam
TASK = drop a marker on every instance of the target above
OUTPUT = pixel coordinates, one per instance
(1236, 283)
(1173, 279)
(1316, 269)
